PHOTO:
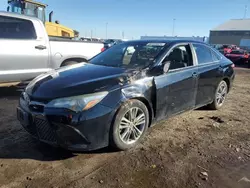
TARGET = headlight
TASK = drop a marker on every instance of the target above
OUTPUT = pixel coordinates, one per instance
(78, 103)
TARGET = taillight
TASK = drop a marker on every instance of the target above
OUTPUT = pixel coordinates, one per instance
(233, 65)
(246, 56)
(103, 49)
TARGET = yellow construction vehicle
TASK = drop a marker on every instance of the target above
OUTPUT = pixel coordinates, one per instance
(36, 9)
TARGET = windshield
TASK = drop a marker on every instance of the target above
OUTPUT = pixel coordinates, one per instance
(238, 52)
(16, 7)
(28, 9)
(130, 55)
(34, 10)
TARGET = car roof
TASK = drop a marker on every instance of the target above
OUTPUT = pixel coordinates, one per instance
(166, 41)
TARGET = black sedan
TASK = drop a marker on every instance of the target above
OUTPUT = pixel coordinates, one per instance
(113, 99)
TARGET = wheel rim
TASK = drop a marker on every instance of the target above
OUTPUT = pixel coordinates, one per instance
(132, 125)
(221, 94)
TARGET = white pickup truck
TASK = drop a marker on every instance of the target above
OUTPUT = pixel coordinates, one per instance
(26, 50)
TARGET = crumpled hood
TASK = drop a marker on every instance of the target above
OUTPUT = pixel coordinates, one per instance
(75, 80)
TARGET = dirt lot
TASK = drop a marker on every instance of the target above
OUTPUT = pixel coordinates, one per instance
(174, 154)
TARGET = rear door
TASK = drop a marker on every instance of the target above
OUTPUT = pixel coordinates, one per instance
(23, 54)
(176, 90)
(210, 73)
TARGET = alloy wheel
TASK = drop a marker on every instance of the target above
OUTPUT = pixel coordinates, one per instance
(132, 125)
(221, 94)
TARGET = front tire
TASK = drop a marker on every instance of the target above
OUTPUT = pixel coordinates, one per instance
(130, 125)
(220, 96)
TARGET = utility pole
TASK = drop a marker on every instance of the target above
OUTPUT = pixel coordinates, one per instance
(173, 27)
(245, 11)
(106, 30)
(91, 33)
(122, 34)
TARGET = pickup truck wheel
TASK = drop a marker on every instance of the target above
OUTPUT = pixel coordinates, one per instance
(220, 96)
(67, 63)
(130, 125)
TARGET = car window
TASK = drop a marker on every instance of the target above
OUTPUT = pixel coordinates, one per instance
(130, 55)
(15, 28)
(203, 53)
(238, 52)
(215, 56)
(180, 57)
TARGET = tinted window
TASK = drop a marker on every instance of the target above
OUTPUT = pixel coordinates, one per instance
(180, 57)
(215, 56)
(14, 28)
(130, 55)
(203, 53)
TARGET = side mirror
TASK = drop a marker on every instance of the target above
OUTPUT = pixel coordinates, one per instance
(160, 69)
(166, 66)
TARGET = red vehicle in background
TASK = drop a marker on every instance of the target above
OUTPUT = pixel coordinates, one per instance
(230, 48)
(227, 48)
(238, 57)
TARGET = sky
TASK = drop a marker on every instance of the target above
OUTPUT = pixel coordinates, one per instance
(135, 18)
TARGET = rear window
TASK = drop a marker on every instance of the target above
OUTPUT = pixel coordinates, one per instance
(15, 28)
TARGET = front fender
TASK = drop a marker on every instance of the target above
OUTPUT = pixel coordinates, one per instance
(143, 90)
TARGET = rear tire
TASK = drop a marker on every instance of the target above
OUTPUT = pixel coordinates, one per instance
(130, 125)
(220, 96)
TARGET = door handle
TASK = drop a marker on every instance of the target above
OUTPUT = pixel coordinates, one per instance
(40, 47)
(195, 74)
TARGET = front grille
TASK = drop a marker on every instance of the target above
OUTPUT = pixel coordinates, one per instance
(44, 130)
(32, 130)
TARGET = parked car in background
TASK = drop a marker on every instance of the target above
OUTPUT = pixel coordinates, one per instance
(109, 43)
(26, 50)
(113, 99)
(238, 56)
(226, 48)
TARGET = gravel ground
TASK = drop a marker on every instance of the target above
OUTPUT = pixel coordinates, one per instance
(199, 148)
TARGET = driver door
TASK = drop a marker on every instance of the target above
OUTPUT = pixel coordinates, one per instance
(176, 89)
